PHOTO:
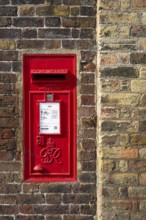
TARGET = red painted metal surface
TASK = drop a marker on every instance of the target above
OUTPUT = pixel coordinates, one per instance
(49, 117)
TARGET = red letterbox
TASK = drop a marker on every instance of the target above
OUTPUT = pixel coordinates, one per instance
(49, 117)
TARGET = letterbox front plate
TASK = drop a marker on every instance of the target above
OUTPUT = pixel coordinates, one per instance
(49, 111)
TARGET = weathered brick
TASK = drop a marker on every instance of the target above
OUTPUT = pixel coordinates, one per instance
(52, 44)
(78, 217)
(138, 31)
(8, 78)
(122, 18)
(122, 205)
(26, 209)
(142, 153)
(69, 44)
(137, 165)
(106, 58)
(30, 188)
(137, 192)
(88, 209)
(8, 199)
(110, 192)
(123, 192)
(142, 126)
(7, 44)
(74, 10)
(138, 58)
(79, 22)
(109, 113)
(28, 22)
(113, 4)
(87, 11)
(138, 3)
(123, 165)
(9, 209)
(6, 155)
(78, 198)
(87, 33)
(8, 11)
(6, 133)
(138, 139)
(10, 33)
(15, 2)
(122, 45)
(113, 215)
(108, 85)
(51, 209)
(26, 10)
(87, 66)
(55, 188)
(120, 152)
(120, 99)
(84, 188)
(54, 33)
(5, 66)
(29, 33)
(87, 89)
(142, 178)
(32, 217)
(87, 177)
(10, 166)
(74, 209)
(30, 199)
(8, 55)
(108, 31)
(123, 179)
(30, 44)
(138, 86)
(79, 2)
(55, 10)
(88, 166)
(87, 100)
(10, 189)
(52, 21)
(53, 198)
(5, 22)
(53, 217)
(75, 33)
(108, 165)
(6, 217)
(124, 32)
(88, 55)
(88, 144)
(4, 2)
(119, 72)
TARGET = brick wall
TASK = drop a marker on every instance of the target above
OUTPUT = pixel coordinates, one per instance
(30, 25)
(122, 114)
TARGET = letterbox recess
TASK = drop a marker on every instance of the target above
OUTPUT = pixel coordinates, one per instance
(49, 117)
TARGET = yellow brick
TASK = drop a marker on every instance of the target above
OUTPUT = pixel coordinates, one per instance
(124, 31)
(7, 44)
(109, 31)
(138, 86)
(143, 18)
(123, 165)
(125, 179)
(120, 152)
(143, 72)
(122, 18)
(125, 4)
(121, 99)
(61, 11)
